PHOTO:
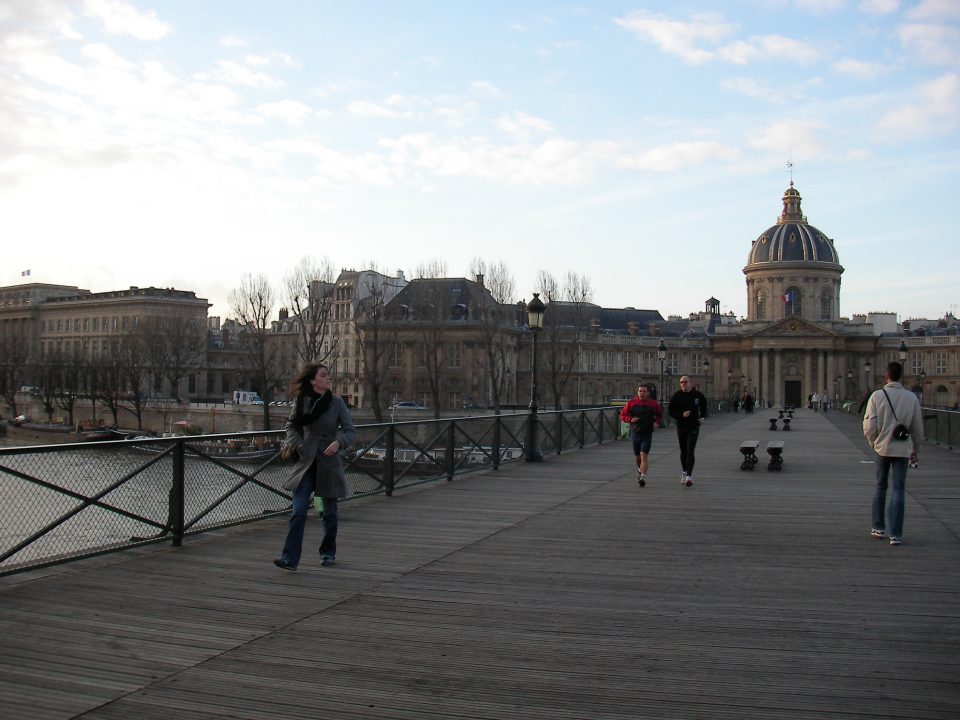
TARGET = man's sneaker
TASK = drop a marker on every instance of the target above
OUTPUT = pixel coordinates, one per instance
(879, 534)
(326, 560)
(895, 540)
(284, 564)
(689, 481)
(683, 478)
(641, 479)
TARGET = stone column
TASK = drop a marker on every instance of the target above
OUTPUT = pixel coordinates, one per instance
(777, 378)
(808, 381)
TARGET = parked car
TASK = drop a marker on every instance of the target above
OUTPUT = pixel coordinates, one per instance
(18, 420)
(407, 405)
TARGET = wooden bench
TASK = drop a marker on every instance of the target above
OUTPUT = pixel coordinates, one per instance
(775, 451)
(748, 448)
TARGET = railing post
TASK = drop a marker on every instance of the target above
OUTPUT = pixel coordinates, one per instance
(600, 420)
(496, 441)
(583, 428)
(558, 418)
(177, 493)
(388, 461)
(451, 460)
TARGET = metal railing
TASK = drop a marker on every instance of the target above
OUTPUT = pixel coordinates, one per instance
(66, 502)
(942, 427)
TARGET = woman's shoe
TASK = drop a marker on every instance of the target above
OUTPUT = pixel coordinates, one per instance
(284, 564)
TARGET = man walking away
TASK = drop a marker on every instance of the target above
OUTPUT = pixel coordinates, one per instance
(893, 425)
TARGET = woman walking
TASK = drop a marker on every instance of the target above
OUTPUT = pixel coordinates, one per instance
(318, 428)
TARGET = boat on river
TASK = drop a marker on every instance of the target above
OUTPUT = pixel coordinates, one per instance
(231, 449)
(431, 461)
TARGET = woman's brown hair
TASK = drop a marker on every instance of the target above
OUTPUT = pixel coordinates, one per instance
(301, 383)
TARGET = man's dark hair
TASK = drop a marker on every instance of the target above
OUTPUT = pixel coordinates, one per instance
(895, 371)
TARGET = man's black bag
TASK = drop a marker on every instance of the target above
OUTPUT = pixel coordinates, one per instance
(901, 431)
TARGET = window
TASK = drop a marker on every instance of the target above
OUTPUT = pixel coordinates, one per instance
(96, 324)
(59, 326)
(86, 324)
(421, 355)
(650, 363)
(608, 361)
(697, 364)
(454, 351)
(396, 356)
(916, 362)
(826, 304)
(76, 325)
(672, 363)
(628, 362)
(791, 302)
(760, 304)
(455, 401)
(940, 363)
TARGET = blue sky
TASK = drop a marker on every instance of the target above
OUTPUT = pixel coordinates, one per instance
(643, 145)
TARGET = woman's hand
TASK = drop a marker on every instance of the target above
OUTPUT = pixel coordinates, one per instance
(332, 448)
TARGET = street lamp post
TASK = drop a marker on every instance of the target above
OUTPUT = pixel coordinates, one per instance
(849, 384)
(923, 382)
(902, 350)
(535, 312)
(706, 372)
(867, 368)
(662, 356)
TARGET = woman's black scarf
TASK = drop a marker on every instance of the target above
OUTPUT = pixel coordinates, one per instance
(319, 407)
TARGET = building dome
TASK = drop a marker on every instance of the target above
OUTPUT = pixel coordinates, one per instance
(792, 239)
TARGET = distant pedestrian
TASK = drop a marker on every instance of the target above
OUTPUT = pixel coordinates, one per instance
(893, 425)
(815, 401)
(688, 407)
(318, 428)
(644, 415)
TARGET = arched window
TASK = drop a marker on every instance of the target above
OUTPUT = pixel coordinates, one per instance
(791, 302)
(826, 306)
(760, 305)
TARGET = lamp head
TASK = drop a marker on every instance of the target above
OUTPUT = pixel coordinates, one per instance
(535, 312)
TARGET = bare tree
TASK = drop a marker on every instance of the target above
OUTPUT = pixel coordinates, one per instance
(377, 336)
(435, 268)
(253, 305)
(564, 326)
(308, 288)
(13, 357)
(495, 315)
(174, 344)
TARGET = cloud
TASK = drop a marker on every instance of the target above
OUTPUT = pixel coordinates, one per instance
(860, 69)
(686, 40)
(676, 37)
(232, 41)
(880, 7)
(936, 109)
(521, 124)
(485, 89)
(934, 43)
(234, 73)
(289, 111)
(802, 139)
(935, 10)
(367, 109)
(679, 156)
(120, 18)
(271, 59)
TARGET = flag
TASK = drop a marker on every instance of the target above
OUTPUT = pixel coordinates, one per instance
(25, 273)
(788, 297)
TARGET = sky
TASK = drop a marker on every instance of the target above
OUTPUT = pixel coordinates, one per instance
(642, 145)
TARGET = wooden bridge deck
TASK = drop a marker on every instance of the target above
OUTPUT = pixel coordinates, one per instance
(553, 590)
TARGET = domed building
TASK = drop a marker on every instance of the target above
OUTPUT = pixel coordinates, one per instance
(793, 342)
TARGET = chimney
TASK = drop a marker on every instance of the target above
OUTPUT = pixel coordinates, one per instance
(480, 279)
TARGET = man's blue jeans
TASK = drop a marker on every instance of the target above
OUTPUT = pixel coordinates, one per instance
(895, 469)
(293, 546)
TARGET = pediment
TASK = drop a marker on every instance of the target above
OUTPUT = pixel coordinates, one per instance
(794, 327)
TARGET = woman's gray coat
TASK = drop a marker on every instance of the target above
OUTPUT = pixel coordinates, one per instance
(334, 424)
